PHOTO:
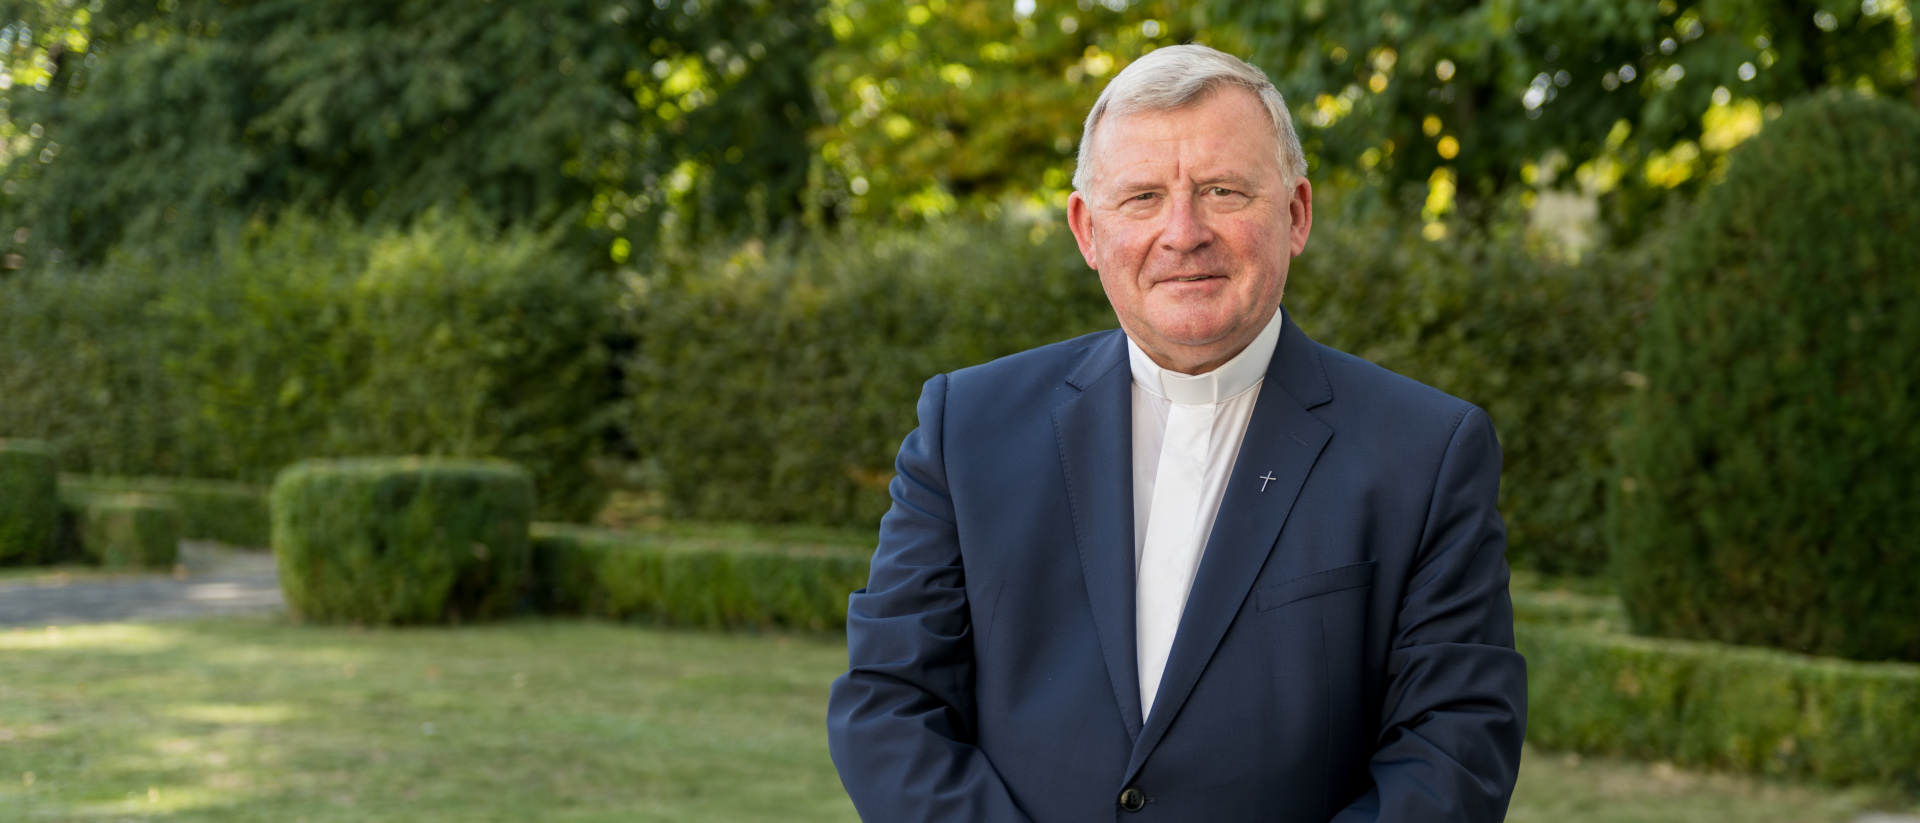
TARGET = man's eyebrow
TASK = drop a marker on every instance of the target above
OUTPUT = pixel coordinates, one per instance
(1136, 186)
(1226, 178)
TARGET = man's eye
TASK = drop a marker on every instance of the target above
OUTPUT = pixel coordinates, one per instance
(1143, 196)
(1219, 191)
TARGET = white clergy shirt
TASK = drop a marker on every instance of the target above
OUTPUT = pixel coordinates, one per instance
(1199, 421)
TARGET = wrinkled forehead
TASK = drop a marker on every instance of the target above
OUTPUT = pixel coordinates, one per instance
(1207, 133)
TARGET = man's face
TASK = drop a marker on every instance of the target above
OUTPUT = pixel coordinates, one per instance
(1191, 225)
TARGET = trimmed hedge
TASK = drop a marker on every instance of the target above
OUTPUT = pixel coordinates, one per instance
(1771, 478)
(1723, 707)
(774, 382)
(314, 338)
(29, 501)
(223, 511)
(401, 540)
(723, 583)
(129, 530)
(1539, 341)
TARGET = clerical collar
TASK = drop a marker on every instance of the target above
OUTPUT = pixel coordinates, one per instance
(1232, 379)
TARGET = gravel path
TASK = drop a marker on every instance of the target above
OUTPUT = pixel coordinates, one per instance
(216, 580)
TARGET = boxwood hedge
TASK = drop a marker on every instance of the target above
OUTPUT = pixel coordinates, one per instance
(401, 540)
(218, 510)
(129, 530)
(1719, 706)
(678, 580)
(29, 501)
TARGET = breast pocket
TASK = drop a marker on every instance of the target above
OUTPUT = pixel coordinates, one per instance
(1341, 578)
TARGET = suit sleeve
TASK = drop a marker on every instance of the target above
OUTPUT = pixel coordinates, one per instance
(1455, 708)
(901, 722)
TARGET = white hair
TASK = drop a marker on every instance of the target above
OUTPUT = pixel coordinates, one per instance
(1175, 77)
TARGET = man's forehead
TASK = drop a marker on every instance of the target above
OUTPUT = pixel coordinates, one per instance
(1209, 137)
(1239, 157)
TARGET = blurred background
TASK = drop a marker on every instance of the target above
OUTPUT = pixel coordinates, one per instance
(687, 262)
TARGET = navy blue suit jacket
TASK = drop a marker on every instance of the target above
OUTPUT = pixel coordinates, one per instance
(1346, 652)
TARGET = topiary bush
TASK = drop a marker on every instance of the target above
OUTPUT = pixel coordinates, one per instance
(218, 510)
(29, 501)
(1771, 476)
(402, 540)
(129, 530)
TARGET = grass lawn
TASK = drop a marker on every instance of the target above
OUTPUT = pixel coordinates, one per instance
(257, 719)
(260, 720)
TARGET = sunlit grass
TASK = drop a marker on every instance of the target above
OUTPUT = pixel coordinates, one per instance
(257, 719)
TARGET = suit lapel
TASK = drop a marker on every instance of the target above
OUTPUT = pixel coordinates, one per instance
(1283, 441)
(1095, 433)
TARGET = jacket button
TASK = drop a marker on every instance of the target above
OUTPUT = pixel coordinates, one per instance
(1133, 799)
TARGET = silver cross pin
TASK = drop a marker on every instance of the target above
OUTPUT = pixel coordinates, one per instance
(1265, 479)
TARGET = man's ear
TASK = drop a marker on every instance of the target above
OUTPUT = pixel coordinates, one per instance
(1080, 219)
(1300, 209)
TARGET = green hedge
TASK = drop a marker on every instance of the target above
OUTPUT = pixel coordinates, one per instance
(313, 338)
(129, 530)
(1541, 342)
(1771, 480)
(774, 382)
(402, 540)
(713, 581)
(1722, 707)
(217, 510)
(29, 501)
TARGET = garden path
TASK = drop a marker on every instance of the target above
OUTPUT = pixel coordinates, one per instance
(212, 580)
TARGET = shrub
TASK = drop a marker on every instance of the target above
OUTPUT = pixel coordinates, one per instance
(82, 366)
(401, 540)
(1539, 341)
(775, 382)
(311, 338)
(29, 501)
(1722, 707)
(1771, 485)
(129, 530)
(725, 583)
(217, 510)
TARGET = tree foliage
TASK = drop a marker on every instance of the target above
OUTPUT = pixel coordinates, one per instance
(165, 122)
(1640, 96)
(937, 105)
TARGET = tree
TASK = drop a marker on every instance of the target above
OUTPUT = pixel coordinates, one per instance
(1642, 96)
(166, 122)
(936, 105)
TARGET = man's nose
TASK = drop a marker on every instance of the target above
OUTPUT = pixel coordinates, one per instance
(1186, 228)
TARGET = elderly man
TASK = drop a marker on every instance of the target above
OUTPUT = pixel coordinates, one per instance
(1201, 568)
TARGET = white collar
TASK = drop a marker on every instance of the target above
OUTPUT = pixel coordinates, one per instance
(1232, 379)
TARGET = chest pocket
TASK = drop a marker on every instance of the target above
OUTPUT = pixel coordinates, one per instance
(1340, 578)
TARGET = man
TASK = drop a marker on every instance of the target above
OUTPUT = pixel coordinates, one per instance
(1199, 569)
